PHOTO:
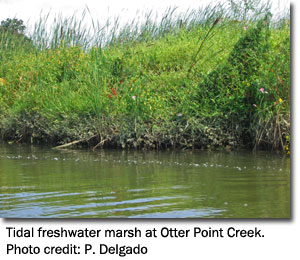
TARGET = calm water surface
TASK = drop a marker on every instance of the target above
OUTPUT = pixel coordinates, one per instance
(39, 182)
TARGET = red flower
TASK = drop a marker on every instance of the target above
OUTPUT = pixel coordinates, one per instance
(109, 95)
(114, 92)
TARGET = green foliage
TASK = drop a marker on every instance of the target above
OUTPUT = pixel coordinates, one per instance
(231, 89)
(12, 37)
(12, 25)
(185, 82)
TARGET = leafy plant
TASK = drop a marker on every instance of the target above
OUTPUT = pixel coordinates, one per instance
(200, 79)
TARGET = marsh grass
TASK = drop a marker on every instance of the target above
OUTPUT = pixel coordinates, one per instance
(174, 81)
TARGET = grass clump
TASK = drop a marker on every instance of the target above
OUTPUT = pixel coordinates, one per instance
(204, 79)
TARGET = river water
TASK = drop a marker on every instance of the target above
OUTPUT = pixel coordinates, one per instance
(37, 182)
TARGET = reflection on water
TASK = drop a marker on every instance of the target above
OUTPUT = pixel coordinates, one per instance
(39, 182)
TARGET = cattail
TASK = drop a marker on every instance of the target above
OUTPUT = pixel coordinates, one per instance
(61, 32)
(180, 25)
(217, 20)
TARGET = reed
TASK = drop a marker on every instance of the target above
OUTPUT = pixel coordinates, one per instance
(137, 84)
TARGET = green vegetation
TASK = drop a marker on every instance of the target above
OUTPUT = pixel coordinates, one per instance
(213, 78)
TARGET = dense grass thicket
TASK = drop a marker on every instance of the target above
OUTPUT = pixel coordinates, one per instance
(205, 79)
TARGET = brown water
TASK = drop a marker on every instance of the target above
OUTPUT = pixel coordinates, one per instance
(38, 182)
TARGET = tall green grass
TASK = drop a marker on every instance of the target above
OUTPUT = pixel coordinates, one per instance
(176, 81)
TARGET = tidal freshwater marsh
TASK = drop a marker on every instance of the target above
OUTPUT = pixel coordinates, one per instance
(183, 116)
